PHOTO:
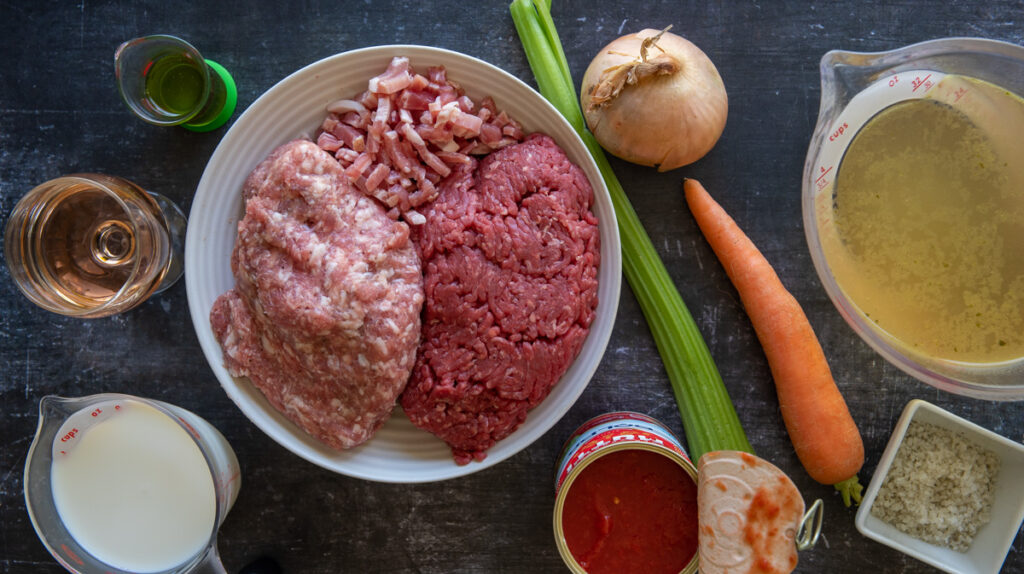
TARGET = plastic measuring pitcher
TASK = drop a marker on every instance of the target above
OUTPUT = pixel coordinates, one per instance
(117, 483)
(855, 87)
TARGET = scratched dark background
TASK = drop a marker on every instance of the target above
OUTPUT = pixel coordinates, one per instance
(60, 113)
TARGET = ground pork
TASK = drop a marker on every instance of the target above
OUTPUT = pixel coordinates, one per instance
(324, 318)
(510, 254)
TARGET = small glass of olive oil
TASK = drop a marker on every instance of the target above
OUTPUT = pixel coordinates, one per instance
(165, 81)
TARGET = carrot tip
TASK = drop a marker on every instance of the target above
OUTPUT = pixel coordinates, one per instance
(850, 488)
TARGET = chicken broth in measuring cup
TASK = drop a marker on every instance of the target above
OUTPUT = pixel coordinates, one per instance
(928, 208)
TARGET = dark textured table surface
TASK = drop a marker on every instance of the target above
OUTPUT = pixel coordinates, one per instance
(60, 113)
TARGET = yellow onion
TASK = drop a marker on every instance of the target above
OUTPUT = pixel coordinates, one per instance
(654, 98)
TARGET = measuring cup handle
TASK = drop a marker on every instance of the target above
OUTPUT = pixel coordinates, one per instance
(210, 563)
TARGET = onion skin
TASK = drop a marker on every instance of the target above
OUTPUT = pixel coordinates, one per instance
(671, 116)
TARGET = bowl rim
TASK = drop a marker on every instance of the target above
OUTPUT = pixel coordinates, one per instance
(284, 432)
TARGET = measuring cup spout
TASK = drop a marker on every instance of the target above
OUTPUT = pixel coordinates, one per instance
(53, 406)
(844, 75)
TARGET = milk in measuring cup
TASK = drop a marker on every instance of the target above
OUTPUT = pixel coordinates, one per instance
(134, 489)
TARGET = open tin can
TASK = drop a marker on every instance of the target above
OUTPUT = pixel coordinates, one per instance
(604, 435)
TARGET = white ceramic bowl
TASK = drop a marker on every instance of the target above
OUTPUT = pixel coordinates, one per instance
(987, 553)
(295, 107)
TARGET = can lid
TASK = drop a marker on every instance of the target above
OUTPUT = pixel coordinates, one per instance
(230, 101)
(737, 530)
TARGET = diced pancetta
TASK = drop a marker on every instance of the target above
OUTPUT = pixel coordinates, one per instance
(398, 140)
(394, 79)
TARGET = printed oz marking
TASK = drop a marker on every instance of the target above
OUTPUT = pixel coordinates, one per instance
(919, 82)
(823, 181)
(893, 81)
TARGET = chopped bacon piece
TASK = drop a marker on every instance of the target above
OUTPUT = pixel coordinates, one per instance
(438, 75)
(453, 157)
(419, 83)
(383, 113)
(502, 120)
(466, 125)
(490, 134)
(513, 130)
(368, 99)
(411, 100)
(394, 79)
(377, 176)
(327, 142)
(343, 106)
(355, 120)
(346, 156)
(488, 104)
(359, 166)
(350, 136)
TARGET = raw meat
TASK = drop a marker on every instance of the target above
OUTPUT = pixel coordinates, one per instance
(324, 318)
(510, 256)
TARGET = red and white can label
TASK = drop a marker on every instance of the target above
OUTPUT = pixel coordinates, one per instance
(611, 429)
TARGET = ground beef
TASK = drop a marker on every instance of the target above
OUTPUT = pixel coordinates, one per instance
(324, 318)
(510, 254)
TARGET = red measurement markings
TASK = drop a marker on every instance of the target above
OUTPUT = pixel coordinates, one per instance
(824, 215)
(71, 555)
(823, 180)
(839, 131)
(919, 82)
(961, 92)
(190, 429)
(893, 81)
(225, 482)
(71, 434)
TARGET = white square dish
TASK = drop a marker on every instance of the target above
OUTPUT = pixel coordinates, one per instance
(993, 540)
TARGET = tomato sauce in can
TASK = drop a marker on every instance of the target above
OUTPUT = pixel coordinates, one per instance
(626, 498)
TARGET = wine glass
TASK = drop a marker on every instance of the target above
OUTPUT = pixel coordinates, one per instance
(91, 245)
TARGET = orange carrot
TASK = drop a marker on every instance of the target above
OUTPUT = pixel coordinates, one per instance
(818, 421)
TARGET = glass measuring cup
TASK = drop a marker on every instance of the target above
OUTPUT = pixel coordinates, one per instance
(65, 424)
(855, 87)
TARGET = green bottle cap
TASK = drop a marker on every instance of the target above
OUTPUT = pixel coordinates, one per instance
(230, 100)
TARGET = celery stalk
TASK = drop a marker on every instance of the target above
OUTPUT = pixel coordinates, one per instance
(708, 415)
